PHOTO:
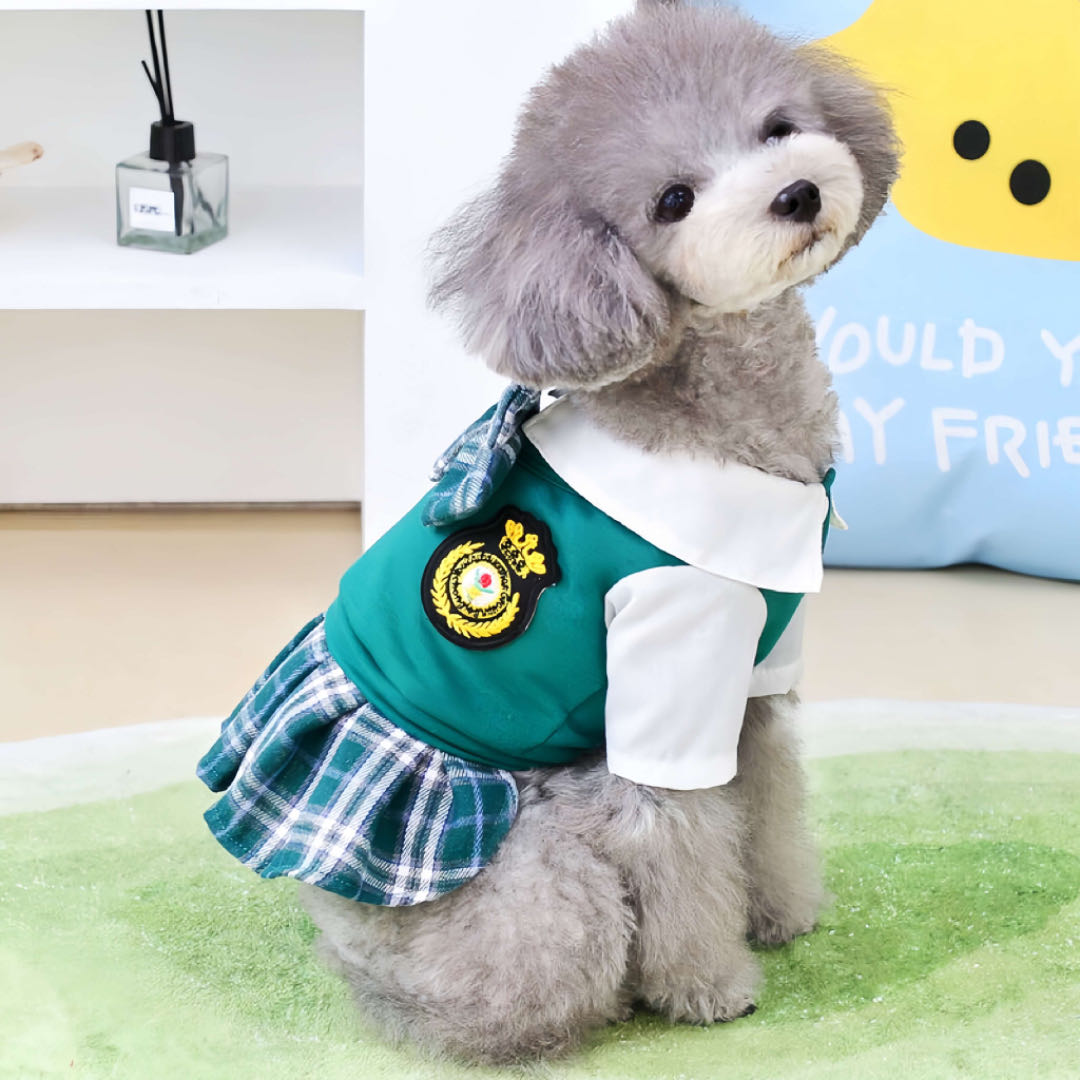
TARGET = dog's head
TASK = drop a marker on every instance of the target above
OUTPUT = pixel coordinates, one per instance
(687, 156)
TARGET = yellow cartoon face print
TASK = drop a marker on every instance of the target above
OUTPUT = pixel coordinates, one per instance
(986, 98)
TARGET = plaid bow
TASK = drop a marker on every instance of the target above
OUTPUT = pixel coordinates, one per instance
(477, 461)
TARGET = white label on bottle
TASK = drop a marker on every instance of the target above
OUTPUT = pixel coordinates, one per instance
(151, 210)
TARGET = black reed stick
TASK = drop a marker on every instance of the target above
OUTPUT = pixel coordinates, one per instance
(154, 53)
(165, 64)
(157, 91)
(162, 88)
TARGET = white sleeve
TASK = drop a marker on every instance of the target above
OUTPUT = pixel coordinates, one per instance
(680, 653)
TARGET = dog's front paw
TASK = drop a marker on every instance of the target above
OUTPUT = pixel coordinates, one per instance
(767, 929)
(695, 1000)
(771, 924)
(624, 1013)
(783, 907)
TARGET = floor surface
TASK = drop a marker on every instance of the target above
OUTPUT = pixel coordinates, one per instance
(128, 617)
(948, 951)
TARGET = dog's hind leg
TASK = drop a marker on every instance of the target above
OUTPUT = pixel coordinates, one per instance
(519, 963)
(781, 859)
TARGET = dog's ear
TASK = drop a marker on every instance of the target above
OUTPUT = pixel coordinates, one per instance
(857, 113)
(547, 295)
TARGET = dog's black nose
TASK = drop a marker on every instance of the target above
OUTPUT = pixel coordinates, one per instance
(800, 201)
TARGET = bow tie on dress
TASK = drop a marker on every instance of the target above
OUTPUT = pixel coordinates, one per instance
(477, 461)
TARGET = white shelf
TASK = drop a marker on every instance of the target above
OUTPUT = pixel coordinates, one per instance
(297, 248)
(188, 5)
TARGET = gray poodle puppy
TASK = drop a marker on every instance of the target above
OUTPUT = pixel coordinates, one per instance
(670, 185)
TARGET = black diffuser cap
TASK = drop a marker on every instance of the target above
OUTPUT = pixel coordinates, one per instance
(172, 141)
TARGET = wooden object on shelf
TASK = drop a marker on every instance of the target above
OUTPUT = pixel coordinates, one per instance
(20, 154)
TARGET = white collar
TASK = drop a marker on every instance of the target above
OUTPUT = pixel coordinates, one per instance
(729, 519)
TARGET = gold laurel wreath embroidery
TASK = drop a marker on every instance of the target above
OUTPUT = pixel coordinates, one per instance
(440, 599)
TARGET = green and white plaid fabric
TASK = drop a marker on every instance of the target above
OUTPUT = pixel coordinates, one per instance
(319, 786)
(473, 466)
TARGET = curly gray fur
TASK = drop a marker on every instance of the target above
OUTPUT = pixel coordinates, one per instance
(606, 893)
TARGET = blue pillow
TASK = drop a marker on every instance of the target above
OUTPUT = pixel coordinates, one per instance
(955, 351)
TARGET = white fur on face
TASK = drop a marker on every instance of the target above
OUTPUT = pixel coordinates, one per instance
(731, 253)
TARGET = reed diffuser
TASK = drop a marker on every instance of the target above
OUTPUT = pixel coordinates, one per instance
(170, 199)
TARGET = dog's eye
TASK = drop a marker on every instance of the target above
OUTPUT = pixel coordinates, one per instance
(778, 128)
(676, 202)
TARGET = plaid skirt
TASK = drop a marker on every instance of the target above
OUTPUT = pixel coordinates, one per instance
(320, 786)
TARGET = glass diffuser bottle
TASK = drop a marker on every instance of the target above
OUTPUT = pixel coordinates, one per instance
(171, 199)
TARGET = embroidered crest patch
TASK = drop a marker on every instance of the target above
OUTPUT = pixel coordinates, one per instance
(481, 586)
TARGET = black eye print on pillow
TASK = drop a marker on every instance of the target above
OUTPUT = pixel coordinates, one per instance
(971, 140)
(1029, 182)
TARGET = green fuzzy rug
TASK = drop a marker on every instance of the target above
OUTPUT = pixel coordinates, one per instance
(132, 946)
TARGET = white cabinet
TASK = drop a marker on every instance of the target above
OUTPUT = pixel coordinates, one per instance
(352, 132)
(280, 92)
